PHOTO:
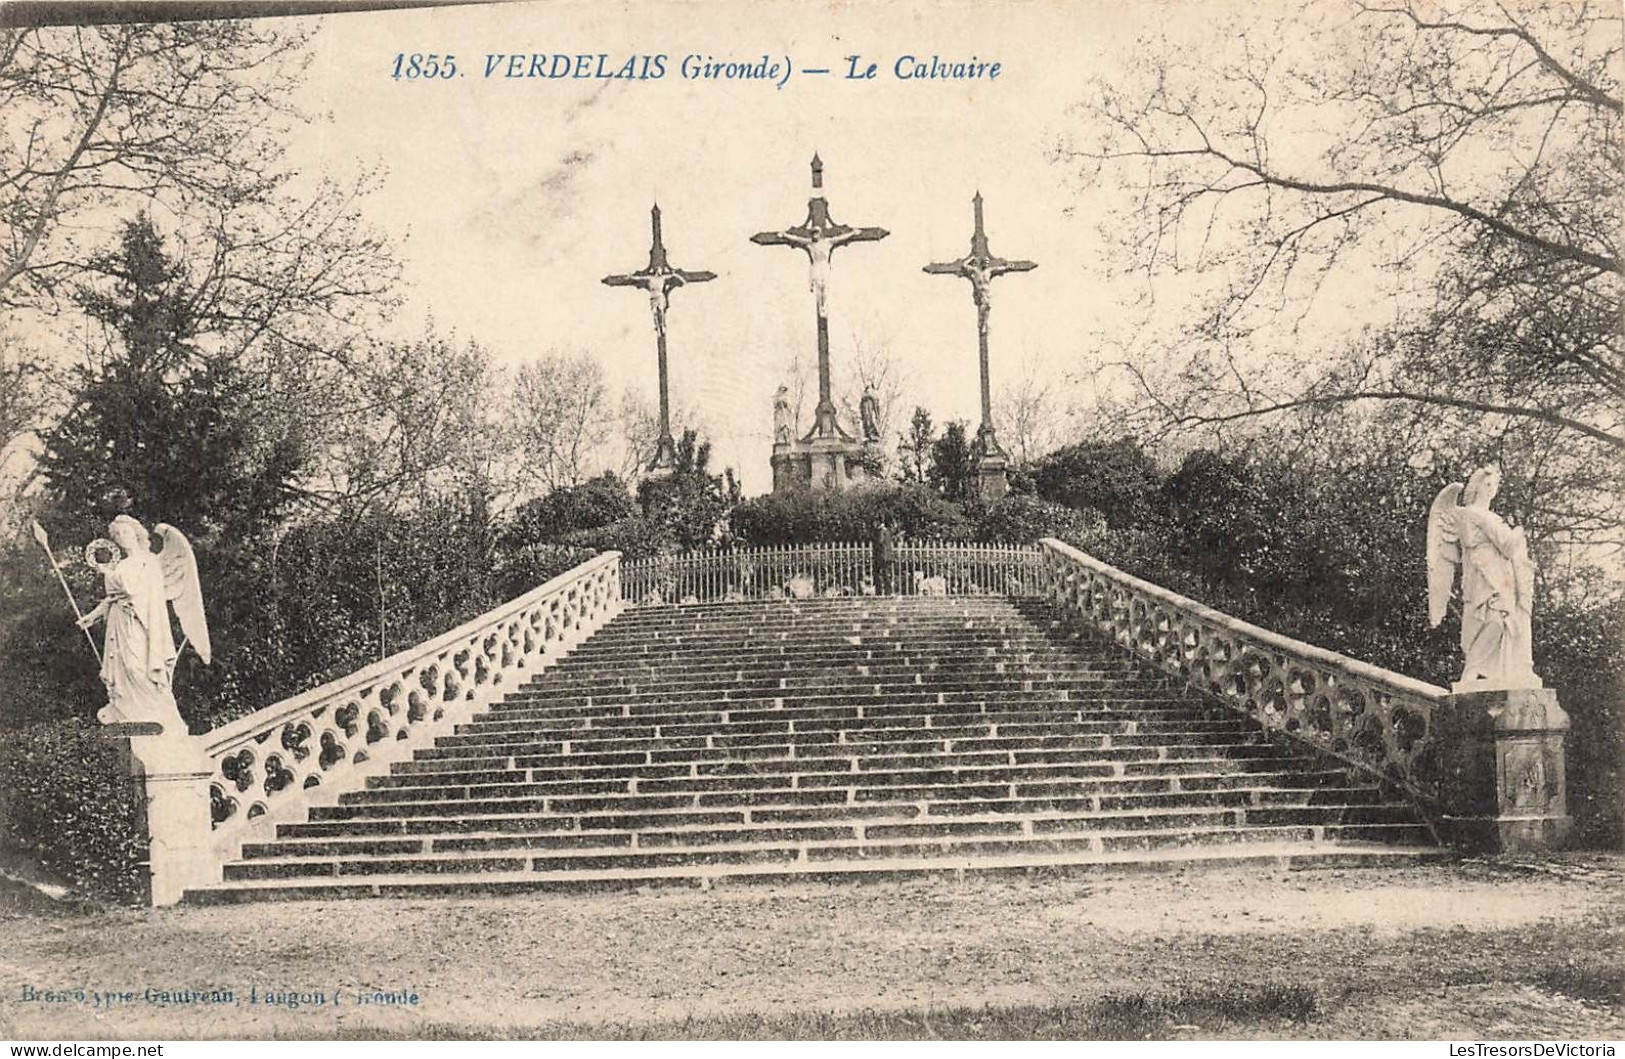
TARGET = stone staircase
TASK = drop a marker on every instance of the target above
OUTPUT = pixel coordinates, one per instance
(830, 738)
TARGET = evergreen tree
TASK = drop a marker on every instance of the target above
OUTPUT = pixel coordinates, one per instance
(914, 448)
(953, 463)
(184, 433)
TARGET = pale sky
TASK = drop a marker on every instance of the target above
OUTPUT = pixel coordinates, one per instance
(517, 196)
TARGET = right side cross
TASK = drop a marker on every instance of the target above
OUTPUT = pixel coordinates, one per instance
(982, 268)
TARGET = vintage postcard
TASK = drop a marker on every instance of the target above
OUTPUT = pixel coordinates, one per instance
(1052, 519)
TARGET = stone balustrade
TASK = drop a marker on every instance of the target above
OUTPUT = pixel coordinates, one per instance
(1378, 720)
(274, 764)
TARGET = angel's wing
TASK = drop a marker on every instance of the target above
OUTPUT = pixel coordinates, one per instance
(1444, 551)
(182, 589)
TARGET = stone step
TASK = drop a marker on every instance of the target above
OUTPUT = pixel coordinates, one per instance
(844, 684)
(795, 644)
(1086, 735)
(838, 758)
(1261, 856)
(751, 715)
(973, 843)
(908, 770)
(775, 659)
(820, 757)
(593, 748)
(555, 684)
(586, 797)
(872, 723)
(790, 709)
(819, 611)
(802, 772)
(660, 834)
(1127, 801)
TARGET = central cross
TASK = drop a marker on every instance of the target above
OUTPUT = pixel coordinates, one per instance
(659, 279)
(819, 236)
(982, 268)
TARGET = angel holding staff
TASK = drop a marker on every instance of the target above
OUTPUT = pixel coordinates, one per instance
(139, 653)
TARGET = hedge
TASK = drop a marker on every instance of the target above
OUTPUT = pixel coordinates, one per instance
(67, 802)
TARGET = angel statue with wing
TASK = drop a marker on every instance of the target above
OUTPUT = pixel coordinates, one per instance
(139, 654)
(1497, 583)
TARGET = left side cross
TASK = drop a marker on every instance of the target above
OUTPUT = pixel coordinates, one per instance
(659, 279)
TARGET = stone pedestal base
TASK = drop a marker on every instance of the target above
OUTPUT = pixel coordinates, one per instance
(172, 773)
(817, 463)
(1503, 782)
(665, 458)
(991, 480)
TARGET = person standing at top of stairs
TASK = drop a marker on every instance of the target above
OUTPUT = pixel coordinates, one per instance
(885, 549)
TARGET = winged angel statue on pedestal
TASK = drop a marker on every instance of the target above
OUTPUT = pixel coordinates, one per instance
(139, 654)
(1497, 583)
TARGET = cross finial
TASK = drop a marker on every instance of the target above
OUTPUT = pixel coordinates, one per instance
(657, 248)
(817, 171)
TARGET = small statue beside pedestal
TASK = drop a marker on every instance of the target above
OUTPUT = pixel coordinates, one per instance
(781, 417)
(869, 413)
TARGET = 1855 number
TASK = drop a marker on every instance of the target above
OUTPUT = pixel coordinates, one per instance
(417, 66)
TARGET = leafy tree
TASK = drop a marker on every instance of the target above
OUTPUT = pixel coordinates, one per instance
(1480, 140)
(1118, 479)
(1461, 165)
(414, 421)
(914, 447)
(638, 422)
(690, 504)
(1027, 414)
(593, 504)
(1024, 519)
(953, 470)
(805, 516)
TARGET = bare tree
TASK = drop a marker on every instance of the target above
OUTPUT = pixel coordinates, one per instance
(563, 417)
(23, 399)
(1476, 145)
(1027, 414)
(638, 425)
(100, 118)
(871, 364)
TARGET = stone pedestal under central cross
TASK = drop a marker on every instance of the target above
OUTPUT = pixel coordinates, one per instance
(821, 459)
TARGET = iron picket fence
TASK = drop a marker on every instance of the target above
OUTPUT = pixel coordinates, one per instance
(837, 568)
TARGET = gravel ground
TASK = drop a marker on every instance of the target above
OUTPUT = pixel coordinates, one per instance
(1472, 950)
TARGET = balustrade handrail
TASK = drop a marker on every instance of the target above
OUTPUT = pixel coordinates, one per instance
(1352, 666)
(1380, 721)
(263, 767)
(227, 735)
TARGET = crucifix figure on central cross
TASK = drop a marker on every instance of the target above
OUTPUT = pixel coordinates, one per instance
(659, 279)
(819, 236)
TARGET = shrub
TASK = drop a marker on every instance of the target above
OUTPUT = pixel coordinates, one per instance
(548, 519)
(66, 802)
(805, 516)
(1025, 519)
(634, 538)
(1117, 479)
